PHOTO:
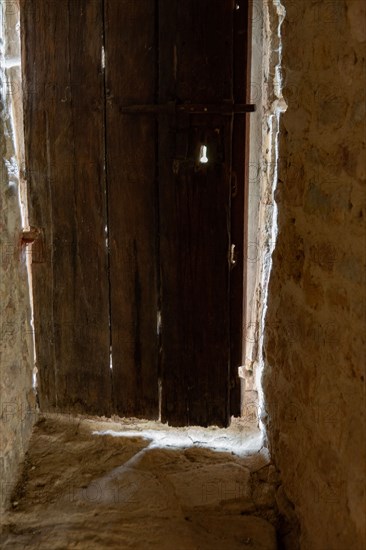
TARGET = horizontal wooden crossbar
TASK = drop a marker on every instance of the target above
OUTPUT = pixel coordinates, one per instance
(173, 108)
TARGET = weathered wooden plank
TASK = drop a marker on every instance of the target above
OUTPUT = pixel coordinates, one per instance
(39, 189)
(62, 43)
(132, 196)
(239, 198)
(195, 65)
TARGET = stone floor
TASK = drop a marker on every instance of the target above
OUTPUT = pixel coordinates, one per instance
(93, 484)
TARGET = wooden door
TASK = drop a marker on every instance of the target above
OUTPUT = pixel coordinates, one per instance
(64, 138)
(196, 45)
(150, 280)
(132, 187)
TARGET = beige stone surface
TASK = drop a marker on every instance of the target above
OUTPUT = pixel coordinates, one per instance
(315, 325)
(93, 484)
(211, 484)
(17, 399)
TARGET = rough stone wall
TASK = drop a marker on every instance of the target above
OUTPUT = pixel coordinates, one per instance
(17, 399)
(253, 244)
(266, 93)
(314, 338)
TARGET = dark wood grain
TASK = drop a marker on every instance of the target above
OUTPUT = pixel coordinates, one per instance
(239, 198)
(64, 102)
(132, 196)
(196, 66)
(39, 189)
(131, 222)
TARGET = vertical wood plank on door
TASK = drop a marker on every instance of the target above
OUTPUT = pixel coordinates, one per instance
(196, 66)
(62, 42)
(36, 27)
(239, 199)
(130, 42)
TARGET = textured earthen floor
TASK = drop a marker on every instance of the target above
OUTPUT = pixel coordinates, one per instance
(91, 484)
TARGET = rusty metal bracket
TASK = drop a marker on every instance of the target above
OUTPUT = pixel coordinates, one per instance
(35, 237)
(28, 236)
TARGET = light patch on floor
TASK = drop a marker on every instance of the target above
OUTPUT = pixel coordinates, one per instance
(239, 438)
(93, 484)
